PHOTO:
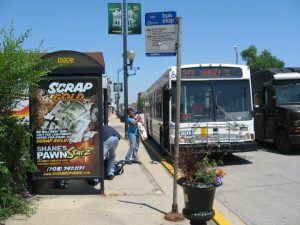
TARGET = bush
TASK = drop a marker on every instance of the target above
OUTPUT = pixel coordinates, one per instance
(15, 163)
(20, 72)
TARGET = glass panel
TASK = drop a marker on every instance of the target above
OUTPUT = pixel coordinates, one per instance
(288, 93)
(196, 101)
(233, 100)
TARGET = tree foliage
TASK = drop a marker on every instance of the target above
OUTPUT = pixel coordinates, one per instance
(260, 62)
(20, 71)
(140, 103)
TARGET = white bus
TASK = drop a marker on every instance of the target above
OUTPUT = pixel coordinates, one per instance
(215, 111)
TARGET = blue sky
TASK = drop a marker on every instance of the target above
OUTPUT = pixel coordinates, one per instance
(210, 30)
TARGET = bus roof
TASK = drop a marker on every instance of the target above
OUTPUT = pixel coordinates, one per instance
(209, 65)
(258, 79)
(170, 73)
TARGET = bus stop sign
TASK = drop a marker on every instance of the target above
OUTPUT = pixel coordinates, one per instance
(160, 33)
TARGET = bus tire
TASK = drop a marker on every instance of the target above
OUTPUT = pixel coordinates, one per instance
(282, 142)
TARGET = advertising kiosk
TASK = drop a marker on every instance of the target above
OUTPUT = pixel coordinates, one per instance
(67, 121)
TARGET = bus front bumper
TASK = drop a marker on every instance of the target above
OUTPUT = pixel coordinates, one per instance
(221, 147)
(295, 140)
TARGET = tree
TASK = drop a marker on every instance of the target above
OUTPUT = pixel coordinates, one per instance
(260, 62)
(140, 103)
(20, 72)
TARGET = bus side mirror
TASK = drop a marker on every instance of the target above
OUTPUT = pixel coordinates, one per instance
(259, 108)
(167, 93)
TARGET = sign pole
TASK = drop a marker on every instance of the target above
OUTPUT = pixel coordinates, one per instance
(175, 215)
(118, 90)
(125, 66)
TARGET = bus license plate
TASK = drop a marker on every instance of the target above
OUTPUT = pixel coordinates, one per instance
(186, 133)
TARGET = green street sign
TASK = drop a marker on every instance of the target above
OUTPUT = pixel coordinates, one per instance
(114, 18)
(116, 87)
(134, 18)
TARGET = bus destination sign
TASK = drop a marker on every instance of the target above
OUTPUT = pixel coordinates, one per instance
(211, 72)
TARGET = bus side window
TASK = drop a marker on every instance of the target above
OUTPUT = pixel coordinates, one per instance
(258, 102)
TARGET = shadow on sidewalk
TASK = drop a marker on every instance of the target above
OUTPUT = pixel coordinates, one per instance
(76, 187)
(147, 143)
(143, 204)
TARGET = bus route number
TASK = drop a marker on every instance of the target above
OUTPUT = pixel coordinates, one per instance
(186, 132)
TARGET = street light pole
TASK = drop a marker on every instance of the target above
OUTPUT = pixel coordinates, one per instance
(118, 89)
(125, 66)
(236, 54)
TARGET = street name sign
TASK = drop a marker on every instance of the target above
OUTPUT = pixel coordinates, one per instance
(161, 33)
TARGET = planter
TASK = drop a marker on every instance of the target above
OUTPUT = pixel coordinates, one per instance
(198, 200)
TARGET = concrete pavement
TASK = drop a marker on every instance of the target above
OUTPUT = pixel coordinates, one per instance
(141, 195)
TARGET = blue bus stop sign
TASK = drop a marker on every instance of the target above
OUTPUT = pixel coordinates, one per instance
(161, 33)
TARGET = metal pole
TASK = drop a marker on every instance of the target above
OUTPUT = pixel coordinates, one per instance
(177, 121)
(118, 90)
(236, 54)
(175, 215)
(125, 66)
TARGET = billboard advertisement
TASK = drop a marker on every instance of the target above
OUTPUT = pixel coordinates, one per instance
(64, 122)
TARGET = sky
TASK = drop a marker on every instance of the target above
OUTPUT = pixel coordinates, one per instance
(210, 30)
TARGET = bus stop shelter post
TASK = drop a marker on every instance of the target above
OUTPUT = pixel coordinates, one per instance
(102, 187)
(175, 215)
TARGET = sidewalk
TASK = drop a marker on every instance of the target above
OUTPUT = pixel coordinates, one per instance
(141, 195)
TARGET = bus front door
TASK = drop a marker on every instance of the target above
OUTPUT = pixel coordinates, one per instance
(166, 118)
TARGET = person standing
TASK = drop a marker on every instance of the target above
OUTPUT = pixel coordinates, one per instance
(133, 136)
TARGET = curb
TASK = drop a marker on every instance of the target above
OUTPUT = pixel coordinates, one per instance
(218, 218)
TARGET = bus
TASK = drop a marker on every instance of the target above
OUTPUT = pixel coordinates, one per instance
(276, 96)
(215, 112)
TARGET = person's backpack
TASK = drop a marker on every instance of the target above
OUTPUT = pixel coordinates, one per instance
(119, 166)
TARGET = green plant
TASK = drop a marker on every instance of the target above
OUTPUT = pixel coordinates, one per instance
(196, 167)
(10, 202)
(20, 73)
(15, 164)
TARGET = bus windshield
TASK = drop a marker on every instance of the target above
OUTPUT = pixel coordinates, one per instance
(288, 93)
(208, 101)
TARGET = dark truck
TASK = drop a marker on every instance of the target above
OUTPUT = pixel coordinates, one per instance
(276, 97)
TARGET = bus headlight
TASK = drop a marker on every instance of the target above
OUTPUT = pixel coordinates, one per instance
(250, 136)
(182, 140)
(296, 123)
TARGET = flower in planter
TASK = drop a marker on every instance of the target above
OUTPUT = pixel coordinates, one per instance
(196, 167)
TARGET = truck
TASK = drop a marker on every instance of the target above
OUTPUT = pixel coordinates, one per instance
(276, 99)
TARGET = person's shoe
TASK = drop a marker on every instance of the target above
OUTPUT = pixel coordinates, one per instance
(129, 162)
(136, 161)
(94, 182)
(61, 184)
(109, 177)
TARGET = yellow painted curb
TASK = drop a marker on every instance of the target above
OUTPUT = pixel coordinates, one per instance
(218, 218)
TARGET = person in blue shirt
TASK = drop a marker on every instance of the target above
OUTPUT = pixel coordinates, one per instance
(133, 136)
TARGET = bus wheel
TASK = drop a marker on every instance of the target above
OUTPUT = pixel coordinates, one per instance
(283, 143)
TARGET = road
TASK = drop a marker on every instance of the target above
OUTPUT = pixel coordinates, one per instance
(262, 187)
